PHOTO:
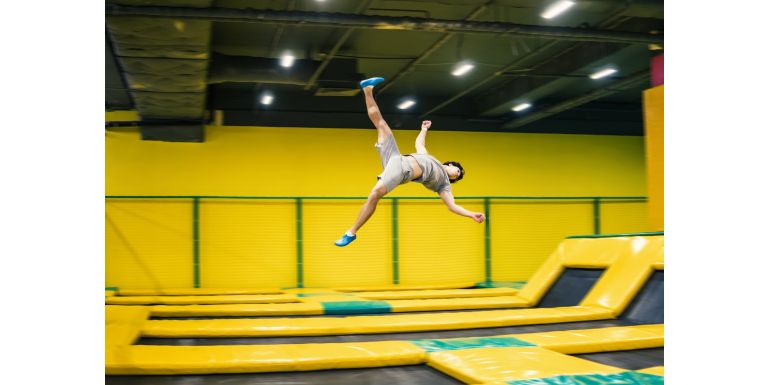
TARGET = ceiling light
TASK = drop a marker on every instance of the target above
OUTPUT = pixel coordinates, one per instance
(521, 107)
(406, 104)
(287, 61)
(602, 73)
(556, 9)
(266, 99)
(462, 69)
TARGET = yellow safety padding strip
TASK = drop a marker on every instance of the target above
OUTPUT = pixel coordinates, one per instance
(657, 265)
(461, 285)
(369, 324)
(200, 299)
(154, 359)
(656, 370)
(573, 252)
(198, 291)
(242, 310)
(407, 305)
(331, 298)
(123, 324)
(597, 340)
(512, 363)
(432, 294)
(623, 280)
(109, 293)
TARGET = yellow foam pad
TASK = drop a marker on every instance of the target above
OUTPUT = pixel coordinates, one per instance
(123, 324)
(369, 324)
(331, 298)
(656, 370)
(155, 359)
(109, 293)
(512, 363)
(455, 304)
(244, 310)
(198, 291)
(658, 265)
(597, 340)
(432, 294)
(200, 299)
(460, 285)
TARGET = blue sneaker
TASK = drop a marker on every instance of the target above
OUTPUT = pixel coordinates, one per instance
(371, 82)
(345, 240)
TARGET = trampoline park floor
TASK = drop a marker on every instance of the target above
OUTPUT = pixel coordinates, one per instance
(471, 351)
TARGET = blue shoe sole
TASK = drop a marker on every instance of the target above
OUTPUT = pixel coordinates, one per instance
(371, 82)
(345, 240)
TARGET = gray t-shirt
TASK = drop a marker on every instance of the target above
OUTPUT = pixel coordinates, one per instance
(433, 177)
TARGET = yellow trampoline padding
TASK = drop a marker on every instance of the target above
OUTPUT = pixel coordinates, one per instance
(301, 308)
(407, 305)
(658, 265)
(597, 340)
(149, 359)
(109, 293)
(369, 324)
(198, 291)
(331, 298)
(123, 324)
(200, 299)
(431, 294)
(623, 280)
(461, 285)
(513, 363)
(656, 370)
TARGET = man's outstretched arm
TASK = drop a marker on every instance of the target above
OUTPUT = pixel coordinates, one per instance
(449, 201)
(419, 143)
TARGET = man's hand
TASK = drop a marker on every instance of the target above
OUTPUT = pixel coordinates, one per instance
(425, 124)
(478, 217)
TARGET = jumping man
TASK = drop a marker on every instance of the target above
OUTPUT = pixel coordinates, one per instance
(399, 169)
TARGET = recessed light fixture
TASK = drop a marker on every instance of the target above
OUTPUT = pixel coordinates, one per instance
(556, 9)
(462, 69)
(603, 73)
(287, 60)
(266, 99)
(521, 107)
(406, 104)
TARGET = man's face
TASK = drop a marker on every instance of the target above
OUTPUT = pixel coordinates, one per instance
(452, 171)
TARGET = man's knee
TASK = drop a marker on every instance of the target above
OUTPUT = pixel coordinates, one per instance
(378, 192)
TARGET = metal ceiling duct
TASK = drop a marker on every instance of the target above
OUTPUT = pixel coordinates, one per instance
(343, 20)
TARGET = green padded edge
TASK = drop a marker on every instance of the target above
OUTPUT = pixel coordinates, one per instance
(643, 234)
(115, 289)
(469, 343)
(624, 378)
(511, 284)
(356, 307)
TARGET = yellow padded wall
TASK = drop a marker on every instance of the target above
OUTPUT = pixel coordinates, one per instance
(148, 243)
(366, 262)
(247, 243)
(622, 217)
(653, 135)
(437, 246)
(524, 233)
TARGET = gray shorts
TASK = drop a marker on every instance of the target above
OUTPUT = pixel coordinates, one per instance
(396, 168)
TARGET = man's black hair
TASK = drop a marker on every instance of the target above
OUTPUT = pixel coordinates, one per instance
(456, 164)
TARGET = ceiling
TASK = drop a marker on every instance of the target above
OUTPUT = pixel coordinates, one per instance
(184, 63)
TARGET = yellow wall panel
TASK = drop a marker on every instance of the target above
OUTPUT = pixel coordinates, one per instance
(524, 233)
(149, 243)
(437, 246)
(624, 217)
(653, 135)
(247, 243)
(367, 261)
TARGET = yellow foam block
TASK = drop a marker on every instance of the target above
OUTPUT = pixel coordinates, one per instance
(330, 298)
(311, 290)
(514, 363)
(109, 293)
(658, 265)
(456, 304)
(200, 299)
(123, 324)
(153, 359)
(369, 324)
(597, 340)
(623, 280)
(460, 285)
(198, 291)
(656, 370)
(300, 308)
(432, 294)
